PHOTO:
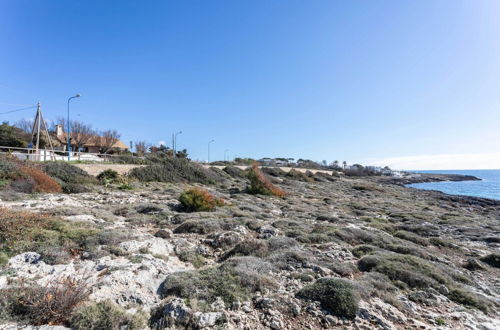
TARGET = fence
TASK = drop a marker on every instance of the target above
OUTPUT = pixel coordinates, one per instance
(56, 155)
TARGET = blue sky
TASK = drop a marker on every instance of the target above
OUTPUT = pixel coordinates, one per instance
(361, 81)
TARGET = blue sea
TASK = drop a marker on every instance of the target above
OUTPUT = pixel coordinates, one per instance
(488, 187)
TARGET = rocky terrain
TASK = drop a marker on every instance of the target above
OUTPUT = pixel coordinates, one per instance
(334, 252)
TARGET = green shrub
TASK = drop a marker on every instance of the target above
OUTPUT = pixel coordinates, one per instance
(492, 259)
(414, 271)
(201, 227)
(250, 247)
(412, 237)
(298, 175)
(360, 250)
(192, 257)
(441, 242)
(469, 299)
(234, 280)
(9, 168)
(67, 173)
(126, 186)
(336, 295)
(109, 176)
(198, 199)
(4, 259)
(53, 238)
(175, 170)
(261, 185)
(234, 171)
(75, 188)
(106, 315)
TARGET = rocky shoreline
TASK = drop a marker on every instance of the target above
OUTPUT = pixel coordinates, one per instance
(409, 258)
(410, 178)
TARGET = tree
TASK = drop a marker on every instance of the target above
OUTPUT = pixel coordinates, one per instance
(182, 154)
(344, 164)
(108, 139)
(11, 136)
(81, 133)
(26, 125)
(141, 147)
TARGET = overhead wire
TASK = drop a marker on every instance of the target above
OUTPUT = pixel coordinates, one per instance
(16, 110)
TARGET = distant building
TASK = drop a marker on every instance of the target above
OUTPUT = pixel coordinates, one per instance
(93, 144)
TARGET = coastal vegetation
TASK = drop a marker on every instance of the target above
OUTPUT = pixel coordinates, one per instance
(216, 244)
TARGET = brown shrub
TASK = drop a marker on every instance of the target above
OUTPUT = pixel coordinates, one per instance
(49, 304)
(259, 184)
(198, 199)
(43, 182)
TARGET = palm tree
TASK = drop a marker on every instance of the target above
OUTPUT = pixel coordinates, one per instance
(344, 163)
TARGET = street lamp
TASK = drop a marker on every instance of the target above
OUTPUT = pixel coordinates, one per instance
(69, 146)
(209, 150)
(225, 151)
(175, 142)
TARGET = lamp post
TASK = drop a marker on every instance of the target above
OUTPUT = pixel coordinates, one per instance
(209, 150)
(175, 142)
(69, 146)
(225, 151)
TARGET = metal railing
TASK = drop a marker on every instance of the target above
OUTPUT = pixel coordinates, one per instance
(58, 155)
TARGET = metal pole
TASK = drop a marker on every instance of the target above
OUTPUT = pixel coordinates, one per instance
(209, 150)
(69, 146)
(175, 142)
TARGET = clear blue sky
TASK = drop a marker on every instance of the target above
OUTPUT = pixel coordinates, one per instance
(360, 81)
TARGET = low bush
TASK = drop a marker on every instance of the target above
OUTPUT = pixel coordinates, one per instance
(53, 238)
(109, 176)
(234, 171)
(129, 159)
(49, 304)
(360, 250)
(75, 188)
(414, 271)
(9, 167)
(202, 227)
(492, 259)
(4, 259)
(198, 199)
(234, 280)
(192, 257)
(261, 185)
(339, 296)
(106, 315)
(298, 175)
(67, 173)
(174, 170)
(42, 182)
(251, 247)
(412, 237)
(467, 298)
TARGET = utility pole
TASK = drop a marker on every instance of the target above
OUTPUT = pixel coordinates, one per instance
(38, 116)
(69, 145)
(175, 142)
(209, 150)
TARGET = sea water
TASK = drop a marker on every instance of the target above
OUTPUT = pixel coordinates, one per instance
(488, 187)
